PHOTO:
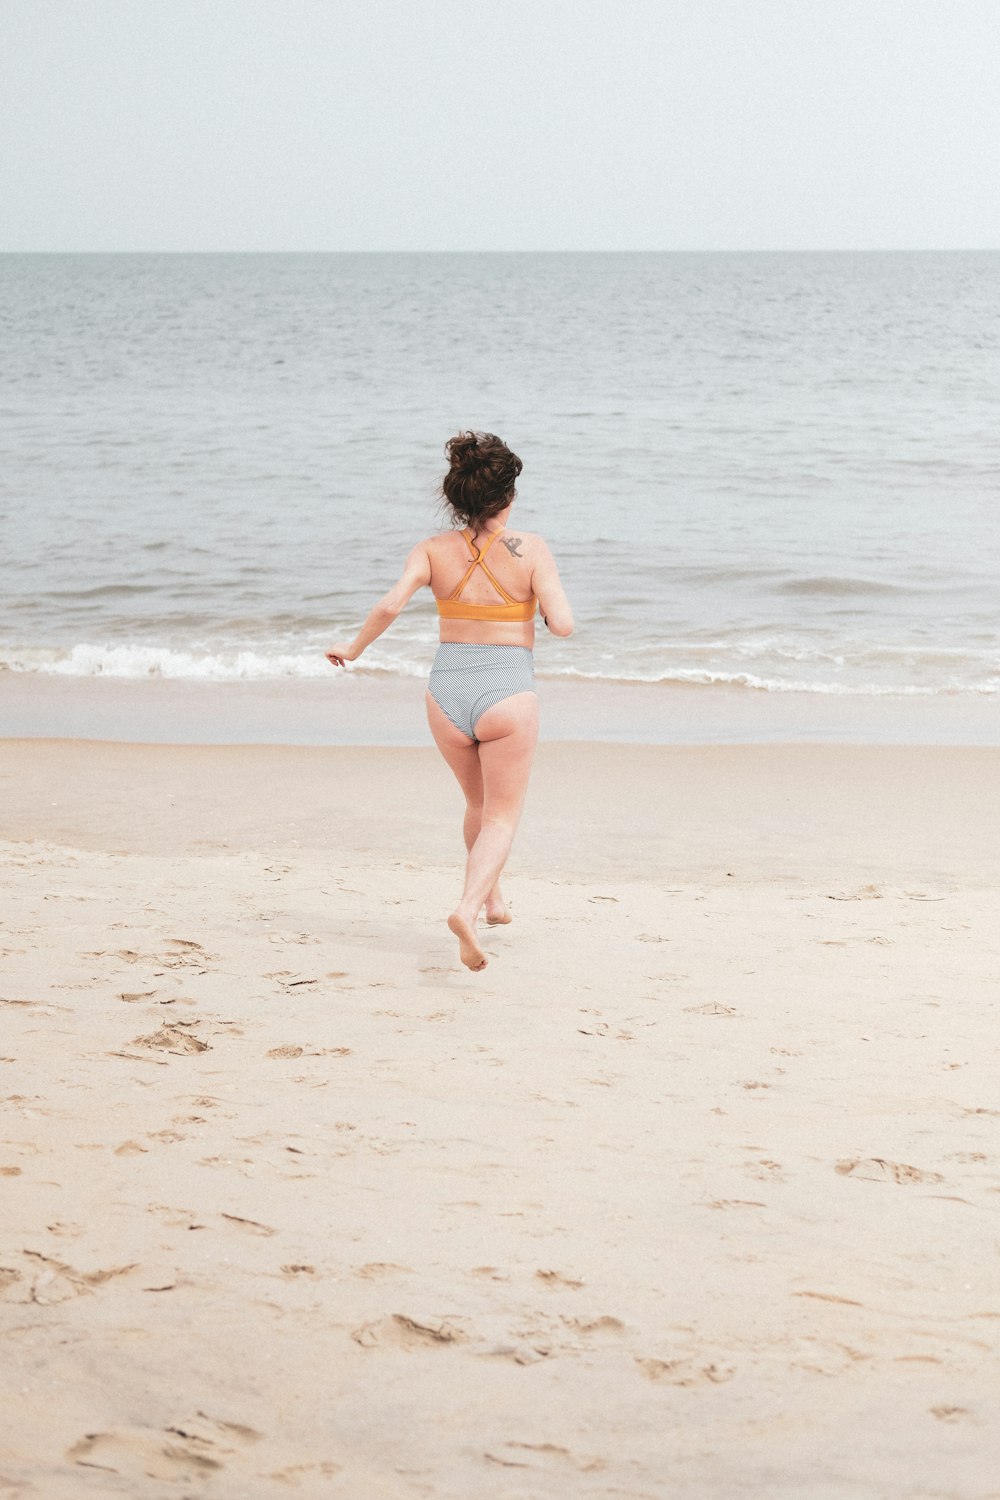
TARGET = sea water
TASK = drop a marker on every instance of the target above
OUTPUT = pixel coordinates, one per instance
(775, 474)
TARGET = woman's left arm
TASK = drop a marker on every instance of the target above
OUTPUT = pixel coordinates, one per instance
(415, 575)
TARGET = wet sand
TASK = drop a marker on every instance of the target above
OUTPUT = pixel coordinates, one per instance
(368, 707)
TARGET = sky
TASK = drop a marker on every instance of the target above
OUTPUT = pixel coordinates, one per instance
(332, 125)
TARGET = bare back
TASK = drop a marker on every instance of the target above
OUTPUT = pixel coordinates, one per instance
(513, 560)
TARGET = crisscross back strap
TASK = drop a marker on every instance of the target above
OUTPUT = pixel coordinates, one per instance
(478, 561)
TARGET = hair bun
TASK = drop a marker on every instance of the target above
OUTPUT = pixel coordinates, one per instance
(480, 479)
(463, 451)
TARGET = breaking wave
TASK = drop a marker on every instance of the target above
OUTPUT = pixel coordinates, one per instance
(936, 674)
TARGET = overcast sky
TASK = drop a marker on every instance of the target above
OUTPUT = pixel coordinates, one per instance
(499, 124)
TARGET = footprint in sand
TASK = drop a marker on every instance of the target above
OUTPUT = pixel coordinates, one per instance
(189, 1450)
(398, 1331)
(877, 1169)
(949, 1413)
(549, 1456)
(764, 1171)
(131, 1148)
(177, 1218)
(559, 1278)
(684, 1372)
(45, 1280)
(180, 953)
(601, 1327)
(177, 1038)
(520, 1354)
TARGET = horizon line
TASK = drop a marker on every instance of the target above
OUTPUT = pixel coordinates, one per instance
(710, 250)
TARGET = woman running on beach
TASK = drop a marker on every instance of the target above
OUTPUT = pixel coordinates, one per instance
(481, 702)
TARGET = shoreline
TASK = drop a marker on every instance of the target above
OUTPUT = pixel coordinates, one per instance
(381, 709)
(594, 810)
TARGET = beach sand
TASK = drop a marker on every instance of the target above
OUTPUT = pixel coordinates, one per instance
(693, 1193)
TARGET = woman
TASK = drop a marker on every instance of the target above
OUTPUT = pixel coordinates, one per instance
(481, 703)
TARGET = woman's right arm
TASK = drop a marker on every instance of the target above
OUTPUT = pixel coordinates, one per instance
(415, 575)
(548, 590)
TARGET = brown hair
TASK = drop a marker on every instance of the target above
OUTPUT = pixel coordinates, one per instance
(479, 483)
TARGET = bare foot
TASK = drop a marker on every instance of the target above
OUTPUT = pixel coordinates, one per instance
(469, 950)
(498, 917)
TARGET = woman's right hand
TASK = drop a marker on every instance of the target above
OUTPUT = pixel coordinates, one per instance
(338, 655)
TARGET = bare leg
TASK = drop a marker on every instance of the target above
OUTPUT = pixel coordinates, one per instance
(462, 755)
(497, 910)
(507, 734)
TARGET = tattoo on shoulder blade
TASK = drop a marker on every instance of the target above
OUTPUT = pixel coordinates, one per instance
(513, 545)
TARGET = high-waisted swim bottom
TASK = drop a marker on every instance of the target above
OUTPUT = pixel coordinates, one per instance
(467, 679)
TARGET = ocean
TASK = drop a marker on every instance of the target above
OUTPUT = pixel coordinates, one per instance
(762, 474)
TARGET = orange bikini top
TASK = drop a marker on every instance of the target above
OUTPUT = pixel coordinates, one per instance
(453, 608)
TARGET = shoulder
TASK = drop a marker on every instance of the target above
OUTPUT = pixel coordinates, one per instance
(437, 546)
(440, 539)
(418, 561)
(530, 544)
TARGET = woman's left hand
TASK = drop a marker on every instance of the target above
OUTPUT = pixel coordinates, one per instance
(338, 655)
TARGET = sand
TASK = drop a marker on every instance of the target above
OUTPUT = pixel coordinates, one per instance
(693, 1193)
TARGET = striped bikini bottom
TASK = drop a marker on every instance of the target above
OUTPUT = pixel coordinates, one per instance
(467, 679)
